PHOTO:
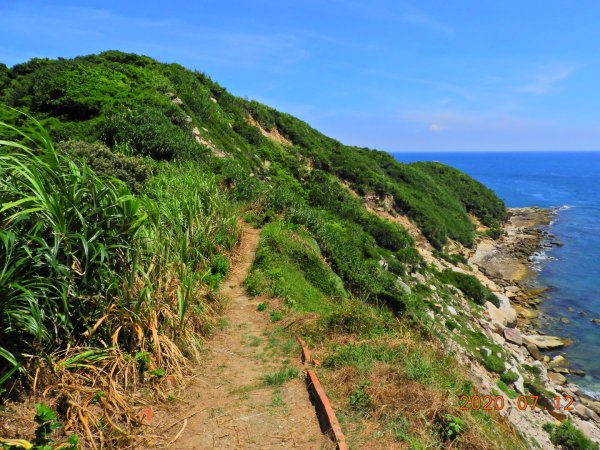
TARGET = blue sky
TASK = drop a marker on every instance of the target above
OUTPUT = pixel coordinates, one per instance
(399, 76)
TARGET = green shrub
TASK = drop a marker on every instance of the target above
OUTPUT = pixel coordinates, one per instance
(276, 316)
(131, 170)
(469, 285)
(453, 427)
(75, 247)
(568, 437)
(494, 233)
(455, 258)
(149, 130)
(509, 377)
(451, 324)
(511, 393)
(352, 316)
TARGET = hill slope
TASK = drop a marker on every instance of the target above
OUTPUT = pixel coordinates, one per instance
(148, 108)
(192, 157)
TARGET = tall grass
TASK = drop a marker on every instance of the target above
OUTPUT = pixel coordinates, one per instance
(100, 285)
(65, 235)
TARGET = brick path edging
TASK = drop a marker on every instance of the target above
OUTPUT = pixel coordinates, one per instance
(325, 413)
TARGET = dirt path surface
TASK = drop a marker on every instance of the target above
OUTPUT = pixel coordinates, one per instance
(230, 405)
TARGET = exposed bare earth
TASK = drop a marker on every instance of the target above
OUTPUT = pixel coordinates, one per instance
(228, 405)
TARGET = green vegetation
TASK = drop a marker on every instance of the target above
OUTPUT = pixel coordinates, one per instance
(568, 437)
(509, 377)
(280, 377)
(289, 265)
(452, 258)
(379, 371)
(135, 103)
(469, 285)
(114, 240)
(91, 274)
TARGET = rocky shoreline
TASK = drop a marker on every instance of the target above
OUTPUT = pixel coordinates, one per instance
(510, 261)
(507, 266)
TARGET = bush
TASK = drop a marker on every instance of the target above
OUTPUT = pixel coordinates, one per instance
(509, 377)
(149, 130)
(352, 316)
(469, 285)
(568, 437)
(493, 362)
(131, 170)
(455, 258)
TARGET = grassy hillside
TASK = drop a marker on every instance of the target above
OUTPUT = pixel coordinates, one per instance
(114, 240)
(138, 106)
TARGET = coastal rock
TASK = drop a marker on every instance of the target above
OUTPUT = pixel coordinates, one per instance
(451, 310)
(596, 321)
(419, 277)
(511, 317)
(508, 311)
(541, 368)
(558, 414)
(512, 290)
(564, 320)
(586, 413)
(557, 361)
(495, 313)
(535, 353)
(520, 384)
(557, 378)
(503, 301)
(526, 313)
(497, 338)
(543, 342)
(588, 429)
(402, 285)
(593, 405)
(507, 316)
(513, 335)
(496, 326)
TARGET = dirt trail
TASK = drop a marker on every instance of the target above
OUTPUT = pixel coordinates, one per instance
(229, 405)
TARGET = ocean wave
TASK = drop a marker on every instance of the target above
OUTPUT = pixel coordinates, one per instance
(538, 259)
(564, 207)
(557, 210)
(592, 394)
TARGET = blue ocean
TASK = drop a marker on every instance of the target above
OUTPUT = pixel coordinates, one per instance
(569, 181)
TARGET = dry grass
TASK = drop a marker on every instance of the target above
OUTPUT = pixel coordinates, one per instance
(390, 404)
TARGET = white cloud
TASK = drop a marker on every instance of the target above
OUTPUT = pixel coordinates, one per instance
(437, 128)
(546, 82)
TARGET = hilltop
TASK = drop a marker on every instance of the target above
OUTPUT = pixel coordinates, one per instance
(120, 254)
